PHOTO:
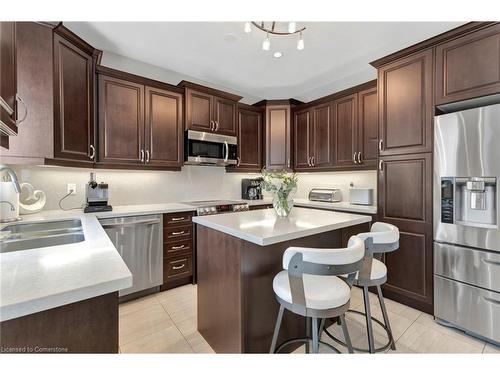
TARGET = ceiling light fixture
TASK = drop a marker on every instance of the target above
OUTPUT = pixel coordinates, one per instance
(300, 43)
(277, 54)
(278, 30)
(266, 44)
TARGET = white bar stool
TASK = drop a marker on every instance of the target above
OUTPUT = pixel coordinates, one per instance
(313, 285)
(381, 239)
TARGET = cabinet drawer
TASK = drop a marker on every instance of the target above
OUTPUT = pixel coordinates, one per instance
(474, 309)
(179, 266)
(173, 248)
(481, 268)
(178, 218)
(179, 232)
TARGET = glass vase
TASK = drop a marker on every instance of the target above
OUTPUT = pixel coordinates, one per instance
(283, 205)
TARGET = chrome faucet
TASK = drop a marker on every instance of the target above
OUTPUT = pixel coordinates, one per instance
(12, 176)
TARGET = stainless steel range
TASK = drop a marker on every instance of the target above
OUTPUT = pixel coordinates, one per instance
(218, 207)
(466, 220)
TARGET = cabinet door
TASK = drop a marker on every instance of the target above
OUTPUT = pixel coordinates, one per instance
(301, 139)
(164, 135)
(8, 84)
(345, 113)
(73, 107)
(225, 116)
(249, 139)
(199, 108)
(322, 136)
(278, 137)
(367, 127)
(121, 121)
(405, 200)
(469, 66)
(405, 105)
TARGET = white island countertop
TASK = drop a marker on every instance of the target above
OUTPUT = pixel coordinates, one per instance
(263, 227)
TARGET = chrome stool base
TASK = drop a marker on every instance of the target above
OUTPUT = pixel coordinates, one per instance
(306, 340)
(377, 350)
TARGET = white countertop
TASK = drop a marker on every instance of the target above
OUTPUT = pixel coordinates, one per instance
(263, 227)
(43, 278)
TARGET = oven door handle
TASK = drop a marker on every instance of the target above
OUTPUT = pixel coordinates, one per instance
(226, 148)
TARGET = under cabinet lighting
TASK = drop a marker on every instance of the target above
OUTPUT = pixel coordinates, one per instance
(300, 43)
(292, 27)
(277, 54)
(248, 27)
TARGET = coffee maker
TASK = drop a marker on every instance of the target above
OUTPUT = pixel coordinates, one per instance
(250, 188)
(96, 195)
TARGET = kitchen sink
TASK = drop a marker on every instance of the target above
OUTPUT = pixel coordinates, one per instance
(24, 236)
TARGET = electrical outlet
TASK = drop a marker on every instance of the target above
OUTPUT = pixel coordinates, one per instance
(71, 188)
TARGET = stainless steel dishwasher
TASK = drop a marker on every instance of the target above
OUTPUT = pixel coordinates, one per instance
(139, 240)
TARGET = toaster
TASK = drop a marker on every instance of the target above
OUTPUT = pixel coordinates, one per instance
(325, 195)
(362, 196)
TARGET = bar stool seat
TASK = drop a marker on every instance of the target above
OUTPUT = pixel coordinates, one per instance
(321, 292)
(378, 273)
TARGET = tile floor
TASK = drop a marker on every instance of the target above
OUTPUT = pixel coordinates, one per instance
(166, 323)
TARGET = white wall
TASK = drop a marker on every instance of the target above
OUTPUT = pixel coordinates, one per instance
(192, 183)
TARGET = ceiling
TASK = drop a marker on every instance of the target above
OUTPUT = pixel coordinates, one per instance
(336, 54)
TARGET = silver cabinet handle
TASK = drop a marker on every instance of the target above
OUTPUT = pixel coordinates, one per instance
(226, 148)
(491, 300)
(238, 161)
(177, 247)
(354, 158)
(380, 144)
(20, 100)
(142, 156)
(178, 218)
(313, 161)
(179, 267)
(178, 233)
(92, 152)
(288, 163)
(380, 165)
(216, 125)
(359, 157)
(309, 161)
(492, 262)
(147, 156)
(212, 125)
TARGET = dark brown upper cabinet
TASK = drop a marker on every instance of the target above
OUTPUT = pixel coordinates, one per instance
(210, 110)
(250, 136)
(164, 128)
(345, 113)
(74, 64)
(468, 66)
(278, 137)
(367, 146)
(121, 121)
(140, 126)
(8, 81)
(302, 141)
(405, 111)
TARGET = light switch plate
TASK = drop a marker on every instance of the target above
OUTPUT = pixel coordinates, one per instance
(71, 188)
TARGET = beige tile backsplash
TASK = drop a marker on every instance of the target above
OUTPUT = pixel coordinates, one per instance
(192, 183)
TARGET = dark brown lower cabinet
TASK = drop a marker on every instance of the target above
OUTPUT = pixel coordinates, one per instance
(405, 200)
(89, 326)
(179, 259)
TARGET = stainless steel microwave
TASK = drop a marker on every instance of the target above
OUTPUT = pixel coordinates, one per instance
(201, 148)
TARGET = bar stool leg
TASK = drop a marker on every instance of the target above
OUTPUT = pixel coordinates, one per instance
(321, 327)
(277, 329)
(315, 343)
(308, 334)
(368, 316)
(345, 331)
(386, 317)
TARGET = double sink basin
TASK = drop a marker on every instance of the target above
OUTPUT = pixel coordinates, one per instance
(25, 236)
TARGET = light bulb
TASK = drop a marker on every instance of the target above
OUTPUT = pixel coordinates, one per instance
(248, 27)
(266, 44)
(300, 42)
(277, 54)
(292, 27)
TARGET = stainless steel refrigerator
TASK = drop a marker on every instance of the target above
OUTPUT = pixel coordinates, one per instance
(466, 220)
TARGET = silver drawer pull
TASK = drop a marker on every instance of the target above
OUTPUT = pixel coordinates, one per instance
(179, 267)
(178, 218)
(491, 300)
(177, 247)
(487, 261)
(178, 233)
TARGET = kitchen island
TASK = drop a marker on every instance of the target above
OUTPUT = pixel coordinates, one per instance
(238, 255)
